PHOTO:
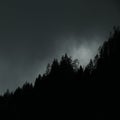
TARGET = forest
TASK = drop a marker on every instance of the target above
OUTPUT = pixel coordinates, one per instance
(67, 88)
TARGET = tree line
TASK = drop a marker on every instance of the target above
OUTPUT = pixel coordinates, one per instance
(65, 79)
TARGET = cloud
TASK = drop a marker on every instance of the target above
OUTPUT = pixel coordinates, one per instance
(32, 33)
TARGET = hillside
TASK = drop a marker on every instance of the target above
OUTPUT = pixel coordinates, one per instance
(65, 84)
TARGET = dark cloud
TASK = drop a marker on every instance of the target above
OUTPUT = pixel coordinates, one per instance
(32, 33)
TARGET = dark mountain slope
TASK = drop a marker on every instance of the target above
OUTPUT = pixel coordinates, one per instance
(65, 85)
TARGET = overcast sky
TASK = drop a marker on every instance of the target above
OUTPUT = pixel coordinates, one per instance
(33, 32)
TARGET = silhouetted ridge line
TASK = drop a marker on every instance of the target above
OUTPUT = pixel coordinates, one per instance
(67, 78)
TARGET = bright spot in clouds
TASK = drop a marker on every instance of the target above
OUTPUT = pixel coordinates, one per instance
(85, 51)
(83, 54)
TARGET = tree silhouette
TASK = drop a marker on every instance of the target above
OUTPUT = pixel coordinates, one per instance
(68, 81)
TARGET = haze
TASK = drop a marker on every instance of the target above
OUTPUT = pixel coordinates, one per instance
(33, 32)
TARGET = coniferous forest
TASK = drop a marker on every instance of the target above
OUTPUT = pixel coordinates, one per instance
(67, 88)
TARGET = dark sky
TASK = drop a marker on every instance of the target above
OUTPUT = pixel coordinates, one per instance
(33, 32)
